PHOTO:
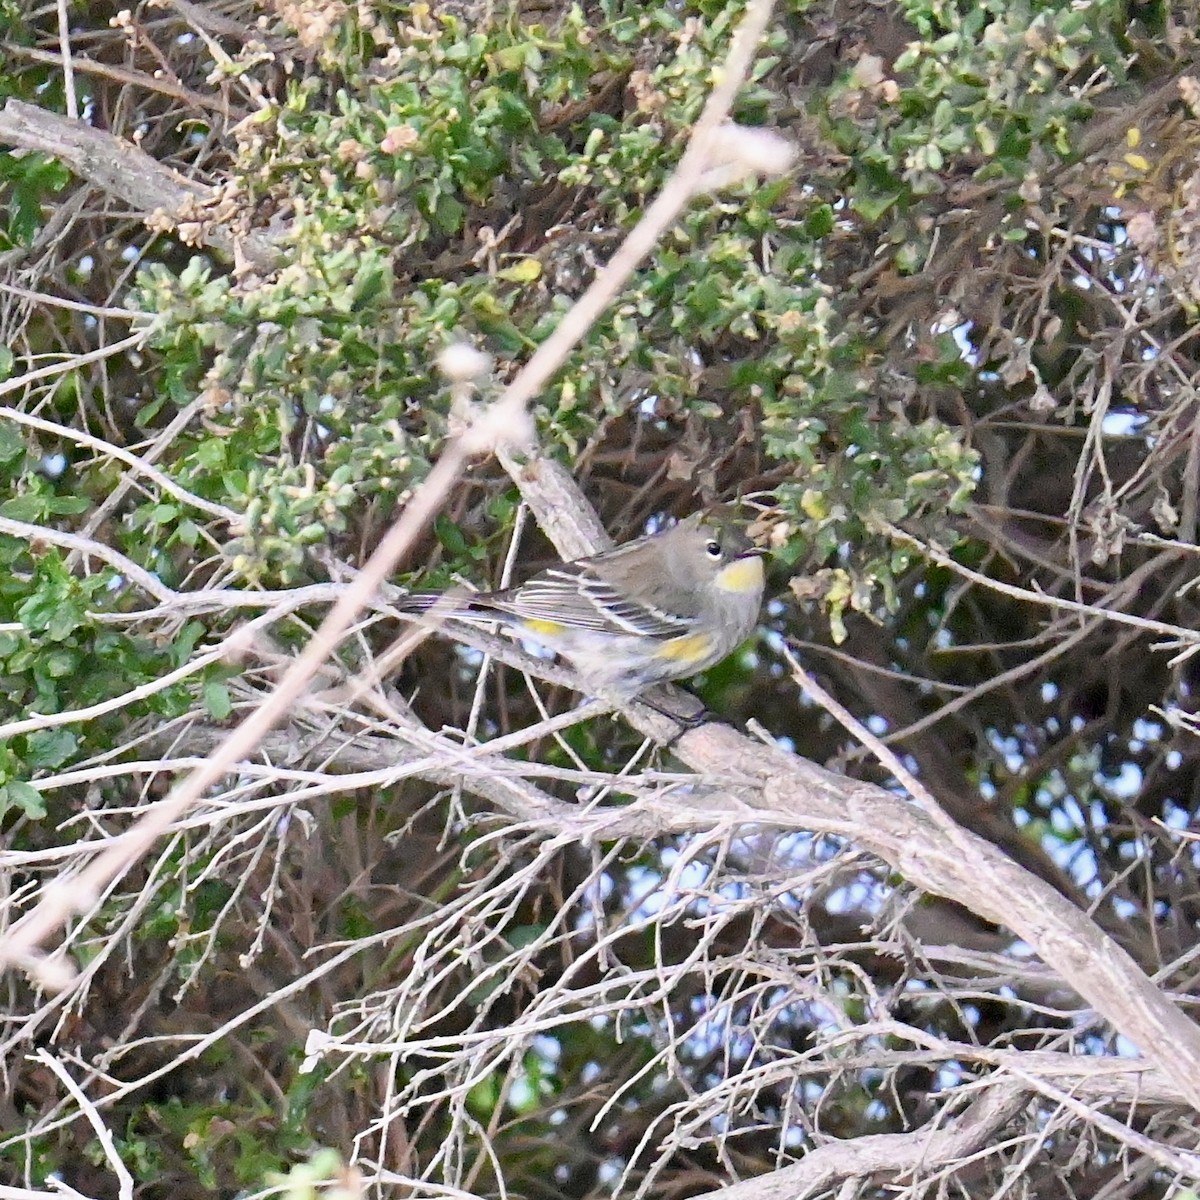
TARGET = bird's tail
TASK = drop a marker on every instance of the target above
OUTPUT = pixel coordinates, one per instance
(446, 605)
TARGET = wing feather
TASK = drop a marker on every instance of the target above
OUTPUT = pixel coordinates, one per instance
(574, 596)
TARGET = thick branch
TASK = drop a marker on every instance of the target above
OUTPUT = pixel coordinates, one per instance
(119, 168)
(888, 1155)
(975, 874)
(784, 789)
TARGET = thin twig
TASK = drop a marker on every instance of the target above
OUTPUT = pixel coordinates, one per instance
(1187, 637)
(37, 535)
(886, 757)
(103, 1134)
(93, 310)
(64, 47)
(139, 465)
(73, 363)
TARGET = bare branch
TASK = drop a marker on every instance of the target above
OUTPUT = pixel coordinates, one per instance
(885, 1156)
(790, 792)
(102, 1132)
(121, 169)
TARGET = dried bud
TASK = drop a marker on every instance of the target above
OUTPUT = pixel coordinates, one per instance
(753, 151)
(461, 363)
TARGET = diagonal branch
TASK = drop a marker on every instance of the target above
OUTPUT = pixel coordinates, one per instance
(786, 790)
(891, 1156)
(505, 425)
(121, 169)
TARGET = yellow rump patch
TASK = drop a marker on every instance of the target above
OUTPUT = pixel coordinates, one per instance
(742, 575)
(695, 647)
(542, 628)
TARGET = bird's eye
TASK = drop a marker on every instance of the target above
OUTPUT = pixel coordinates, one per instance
(713, 549)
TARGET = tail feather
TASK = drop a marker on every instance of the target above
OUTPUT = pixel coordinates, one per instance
(417, 602)
(466, 605)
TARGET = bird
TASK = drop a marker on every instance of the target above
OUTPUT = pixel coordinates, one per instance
(662, 607)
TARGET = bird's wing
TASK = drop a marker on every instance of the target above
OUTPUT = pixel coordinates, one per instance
(573, 595)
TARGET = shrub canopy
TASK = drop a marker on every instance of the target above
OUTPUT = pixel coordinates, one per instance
(950, 359)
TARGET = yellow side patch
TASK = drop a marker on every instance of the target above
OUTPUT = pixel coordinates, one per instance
(544, 628)
(695, 647)
(742, 575)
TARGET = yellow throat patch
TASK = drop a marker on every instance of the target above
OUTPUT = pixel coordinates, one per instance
(742, 575)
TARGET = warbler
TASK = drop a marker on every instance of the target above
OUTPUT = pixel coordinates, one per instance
(661, 607)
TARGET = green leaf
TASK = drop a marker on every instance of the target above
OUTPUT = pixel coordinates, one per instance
(450, 536)
(23, 508)
(449, 213)
(217, 700)
(820, 221)
(12, 444)
(16, 794)
(872, 206)
(50, 748)
(149, 410)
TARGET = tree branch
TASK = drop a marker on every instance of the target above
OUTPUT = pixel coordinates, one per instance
(786, 790)
(888, 1155)
(119, 168)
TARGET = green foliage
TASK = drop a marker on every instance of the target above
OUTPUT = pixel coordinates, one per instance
(28, 182)
(61, 659)
(322, 373)
(988, 91)
(222, 1146)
